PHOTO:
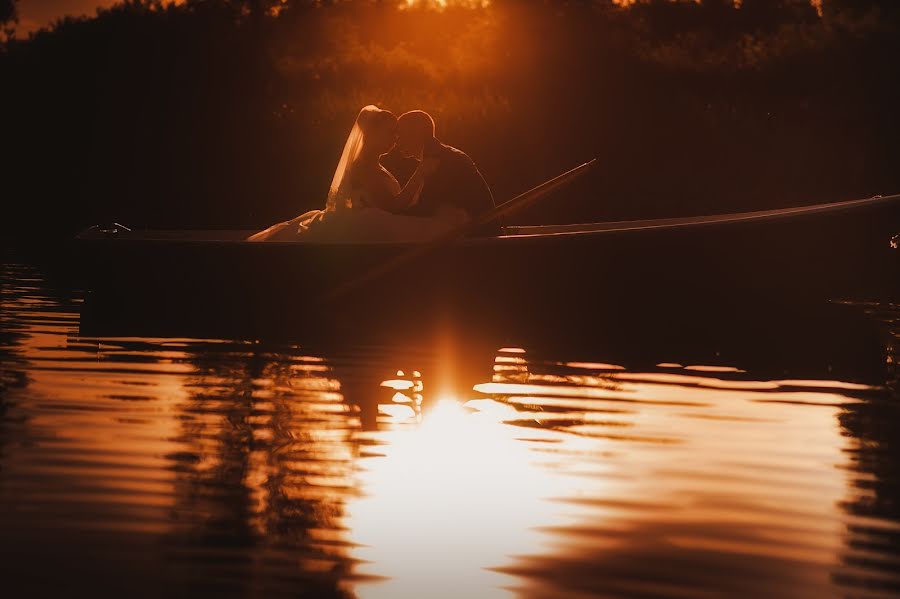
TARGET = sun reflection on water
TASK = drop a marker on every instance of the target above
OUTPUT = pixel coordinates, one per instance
(451, 499)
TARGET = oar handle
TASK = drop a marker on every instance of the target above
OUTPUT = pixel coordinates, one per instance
(535, 193)
(517, 203)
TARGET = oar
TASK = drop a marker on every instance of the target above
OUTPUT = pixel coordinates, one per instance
(525, 199)
(517, 203)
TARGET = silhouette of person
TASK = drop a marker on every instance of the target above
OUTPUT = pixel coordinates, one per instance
(454, 184)
(365, 201)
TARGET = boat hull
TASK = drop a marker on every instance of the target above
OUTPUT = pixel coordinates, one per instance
(562, 279)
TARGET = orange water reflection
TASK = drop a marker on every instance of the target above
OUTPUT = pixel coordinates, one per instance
(254, 468)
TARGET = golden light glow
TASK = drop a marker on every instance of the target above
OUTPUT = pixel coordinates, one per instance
(442, 4)
(450, 499)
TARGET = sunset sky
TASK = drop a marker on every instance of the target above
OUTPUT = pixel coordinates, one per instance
(34, 14)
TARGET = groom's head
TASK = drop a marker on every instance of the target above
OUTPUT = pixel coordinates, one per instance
(414, 129)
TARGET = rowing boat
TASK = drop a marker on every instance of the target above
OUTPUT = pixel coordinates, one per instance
(824, 251)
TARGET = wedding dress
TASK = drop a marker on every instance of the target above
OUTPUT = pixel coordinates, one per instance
(348, 217)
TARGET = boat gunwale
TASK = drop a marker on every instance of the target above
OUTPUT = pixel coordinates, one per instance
(533, 233)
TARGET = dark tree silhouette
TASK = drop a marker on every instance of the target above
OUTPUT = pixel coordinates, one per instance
(231, 113)
(769, 14)
(8, 11)
(884, 8)
(9, 16)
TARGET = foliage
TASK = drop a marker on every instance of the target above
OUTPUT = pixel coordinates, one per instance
(8, 11)
(9, 15)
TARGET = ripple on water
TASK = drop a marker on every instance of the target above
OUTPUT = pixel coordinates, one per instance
(203, 466)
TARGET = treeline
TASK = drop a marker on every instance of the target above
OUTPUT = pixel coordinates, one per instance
(232, 113)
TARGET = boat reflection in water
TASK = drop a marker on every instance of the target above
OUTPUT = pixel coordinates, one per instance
(167, 466)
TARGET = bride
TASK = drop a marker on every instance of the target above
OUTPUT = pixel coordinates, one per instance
(363, 194)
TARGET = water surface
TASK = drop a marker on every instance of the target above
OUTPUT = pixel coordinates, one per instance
(195, 467)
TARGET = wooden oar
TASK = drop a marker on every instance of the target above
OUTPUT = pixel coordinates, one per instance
(525, 199)
(517, 203)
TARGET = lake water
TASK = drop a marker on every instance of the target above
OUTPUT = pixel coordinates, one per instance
(214, 467)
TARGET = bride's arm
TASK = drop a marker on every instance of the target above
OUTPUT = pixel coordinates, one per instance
(409, 195)
(400, 199)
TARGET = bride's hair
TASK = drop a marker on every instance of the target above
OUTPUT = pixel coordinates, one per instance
(371, 117)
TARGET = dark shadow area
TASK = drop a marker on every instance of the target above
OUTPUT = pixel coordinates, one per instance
(873, 548)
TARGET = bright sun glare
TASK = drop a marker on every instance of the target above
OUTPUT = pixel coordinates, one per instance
(461, 476)
(440, 4)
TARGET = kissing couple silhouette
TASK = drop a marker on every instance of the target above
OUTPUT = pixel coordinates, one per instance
(366, 203)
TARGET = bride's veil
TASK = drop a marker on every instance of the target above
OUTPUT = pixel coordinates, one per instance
(339, 192)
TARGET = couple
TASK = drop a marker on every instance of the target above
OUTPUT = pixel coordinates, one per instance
(366, 204)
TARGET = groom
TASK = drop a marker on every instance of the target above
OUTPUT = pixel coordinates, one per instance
(455, 182)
